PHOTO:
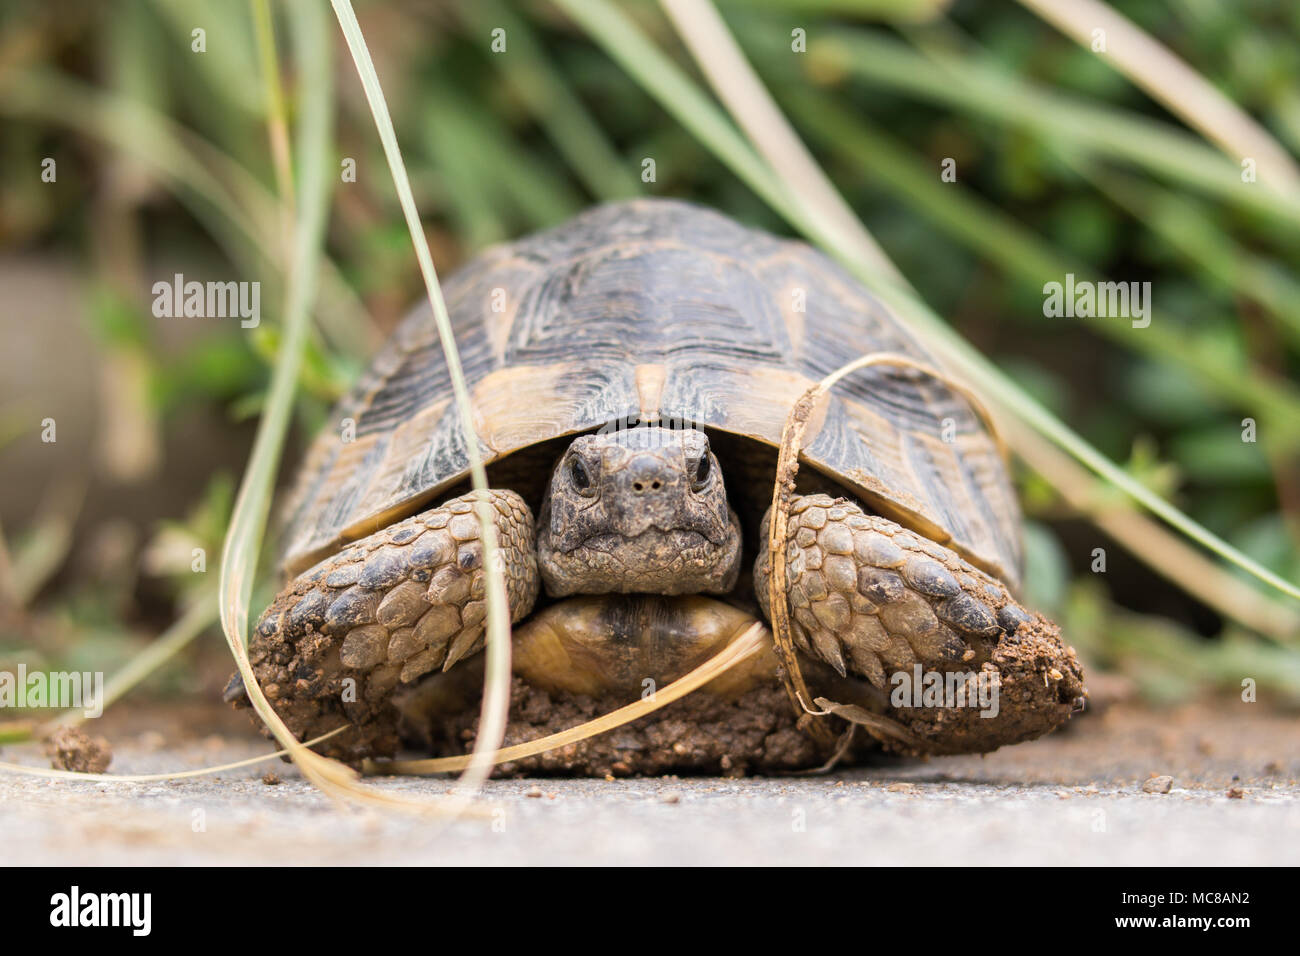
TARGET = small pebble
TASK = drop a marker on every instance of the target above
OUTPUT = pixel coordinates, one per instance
(534, 792)
(671, 796)
(1161, 784)
(270, 778)
(1236, 793)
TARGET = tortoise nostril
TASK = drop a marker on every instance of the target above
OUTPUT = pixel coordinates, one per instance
(647, 474)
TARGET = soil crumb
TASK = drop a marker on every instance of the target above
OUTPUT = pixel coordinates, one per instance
(73, 749)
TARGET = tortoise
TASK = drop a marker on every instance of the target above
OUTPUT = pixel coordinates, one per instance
(631, 371)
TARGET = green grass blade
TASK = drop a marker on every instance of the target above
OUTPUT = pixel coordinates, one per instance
(252, 503)
(496, 693)
(229, 63)
(746, 98)
(675, 91)
(277, 125)
(981, 89)
(491, 182)
(1168, 79)
(539, 85)
(471, 204)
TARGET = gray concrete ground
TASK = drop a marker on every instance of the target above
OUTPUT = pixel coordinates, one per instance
(1073, 798)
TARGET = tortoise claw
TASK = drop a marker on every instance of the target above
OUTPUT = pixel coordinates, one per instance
(234, 691)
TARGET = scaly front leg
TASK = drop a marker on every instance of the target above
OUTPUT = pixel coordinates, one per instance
(385, 611)
(967, 668)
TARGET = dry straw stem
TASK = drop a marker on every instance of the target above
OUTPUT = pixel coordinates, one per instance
(787, 467)
(155, 777)
(882, 728)
(496, 681)
(1171, 81)
(745, 646)
(705, 34)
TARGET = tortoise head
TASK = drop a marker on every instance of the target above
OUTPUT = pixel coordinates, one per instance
(638, 510)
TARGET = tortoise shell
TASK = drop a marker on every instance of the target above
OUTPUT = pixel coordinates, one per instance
(657, 309)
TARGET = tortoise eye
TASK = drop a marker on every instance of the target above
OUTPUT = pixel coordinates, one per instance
(578, 472)
(702, 468)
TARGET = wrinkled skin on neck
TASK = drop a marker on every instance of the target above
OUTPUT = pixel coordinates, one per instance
(638, 510)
